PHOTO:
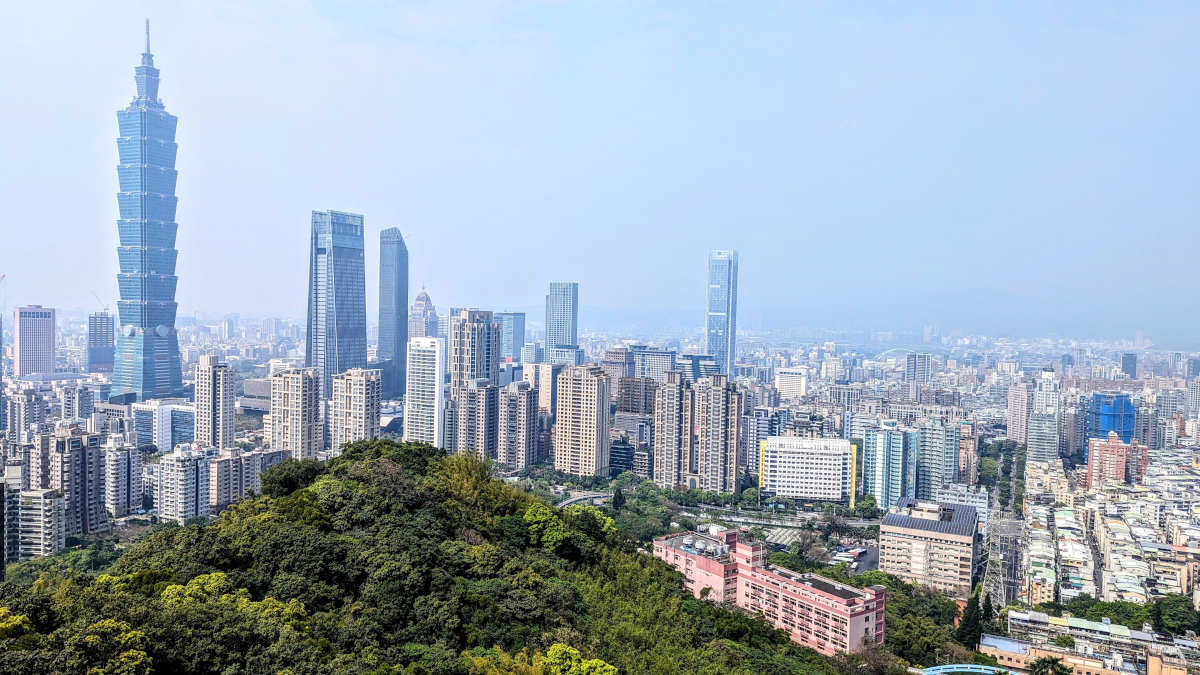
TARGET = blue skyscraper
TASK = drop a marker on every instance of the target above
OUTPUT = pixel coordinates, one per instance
(512, 334)
(720, 320)
(889, 462)
(337, 296)
(147, 355)
(1110, 411)
(393, 310)
(562, 323)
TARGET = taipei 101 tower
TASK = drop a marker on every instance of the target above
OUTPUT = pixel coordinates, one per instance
(146, 364)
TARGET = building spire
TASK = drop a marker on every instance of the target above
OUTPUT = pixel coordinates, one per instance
(147, 35)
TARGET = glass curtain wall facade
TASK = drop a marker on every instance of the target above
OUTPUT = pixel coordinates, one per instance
(562, 315)
(720, 321)
(147, 363)
(337, 299)
(393, 310)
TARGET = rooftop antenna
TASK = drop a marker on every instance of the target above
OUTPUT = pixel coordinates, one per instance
(147, 35)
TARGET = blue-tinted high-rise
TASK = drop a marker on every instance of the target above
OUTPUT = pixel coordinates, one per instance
(147, 354)
(562, 315)
(720, 319)
(393, 310)
(337, 296)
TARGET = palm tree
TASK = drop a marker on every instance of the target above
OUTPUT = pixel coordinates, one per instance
(1048, 665)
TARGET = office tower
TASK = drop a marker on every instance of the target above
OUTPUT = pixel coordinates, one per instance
(758, 424)
(566, 356)
(122, 478)
(937, 464)
(533, 352)
(181, 489)
(472, 424)
(100, 342)
(512, 335)
(354, 409)
(294, 422)
(474, 348)
(931, 544)
(791, 383)
(1193, 368)
(636, 394)
(25, 415)
(337, 297)
(234, 474)
(393, 309)
(820, 469)
(71, 461)
(40, 523)
(562, 322)
(673, 432)
(719, 408)
(424, 398)
(721, 316)
(1110, 411)
(918, 368)
(581, 433)
(652, 362)
(33, 340)
(147, 363)
(1020, 405)
(889, 467)
(423, 319)
(696, 367)
(78, 401)
(637, 428)
(164, 423)
(214, 403)
(1110, 461)
(620, 456)
(617, 363)
(1129, 365)
(517, 425)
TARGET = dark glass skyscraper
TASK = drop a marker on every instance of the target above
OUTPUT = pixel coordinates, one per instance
(393, 309)
(337, 296)
(100, 337)
(147, 356)
(720, 319)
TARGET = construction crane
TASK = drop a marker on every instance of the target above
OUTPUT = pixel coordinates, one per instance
(100, 302)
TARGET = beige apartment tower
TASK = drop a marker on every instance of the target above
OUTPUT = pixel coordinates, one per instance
(581, 433)
(214, 403)
(354, 409)
(517, 425)
(718, 412)
(474, 348)
(673, 437)
(294, 421)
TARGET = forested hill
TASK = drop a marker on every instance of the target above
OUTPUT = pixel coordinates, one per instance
(390, 558)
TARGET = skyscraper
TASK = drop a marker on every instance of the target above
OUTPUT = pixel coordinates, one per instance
(72, 461)
(147, 363)
(719, 408)
(33, 340)
(474, 348)
(181, 491)
(214, 403)
(918, 368)
(294, 422)
(354, 408)
(1020, 405)
(100, 337)
(423, 319)
(474, 419)
(562, 318)
(1129, 364)
(720, 319)
(1041, 434)
(337, 296)
(673, 437)
(512, 334)
(517, 425)
(393, 309)
(581, 434)
(424, 404)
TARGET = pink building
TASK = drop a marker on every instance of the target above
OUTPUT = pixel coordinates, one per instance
(1111, 461)
(817, 612)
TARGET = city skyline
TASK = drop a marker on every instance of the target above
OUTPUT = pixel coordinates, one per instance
(924, 218)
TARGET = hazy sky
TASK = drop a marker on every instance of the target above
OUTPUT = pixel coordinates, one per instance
(1016, 167)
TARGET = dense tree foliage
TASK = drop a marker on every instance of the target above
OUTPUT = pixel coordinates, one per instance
(391, 558)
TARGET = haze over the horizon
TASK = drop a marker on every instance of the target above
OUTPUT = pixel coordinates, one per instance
(1009, 169)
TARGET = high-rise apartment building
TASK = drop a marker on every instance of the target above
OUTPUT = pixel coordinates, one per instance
(758, 424)
(617, 363)
(147, 363)
(1110, 460)
(423, 318)
(181, 489)
(791, 383)
(424, 398)
(25, 415)
(516, 425)
(294, 421)
(533, 352)
(474, 419)
(696, 367)
(33, 340)
(337, 297)
(889, 467)
(40, 524)
(719, 408)
(164, 423)
(652, 362)
(512, 334)
(122, 478)
(581, 434)
(1020, 405)
(101, 338)
(918, 367)
(674, 438)
(636, 394)
(234, 474)
(820, 469)
(354, 408)
(937, 463)
(78, 401)
(474, 348)
(543, 377)
(215, 391)
(393, 310)
(931, 544)
(72, 462)
(562, 318)
(720, 318)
